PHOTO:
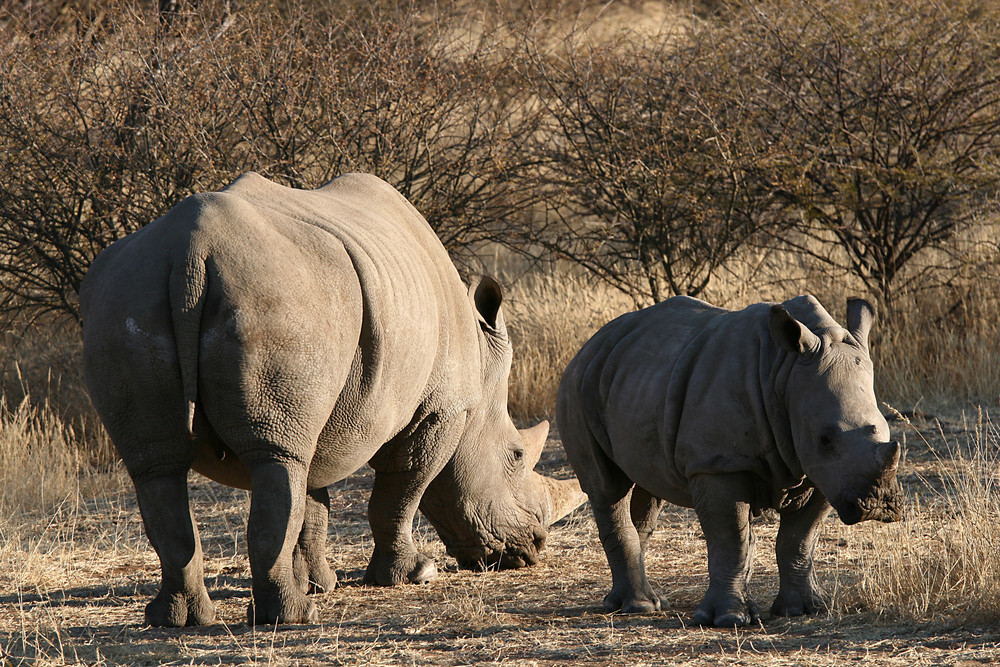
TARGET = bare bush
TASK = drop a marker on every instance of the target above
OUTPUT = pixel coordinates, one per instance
(436, 112)
(109, 125)
(885, 123)
(649, 187)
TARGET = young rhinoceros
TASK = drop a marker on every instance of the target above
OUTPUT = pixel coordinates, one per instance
(730, 413)
(277, 340)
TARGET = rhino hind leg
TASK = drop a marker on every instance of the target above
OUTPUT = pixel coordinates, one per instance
(798, 591)
(630, 589)
(170, 527)
(625, 515)
(277, 509)
(312, 572)
(722, 503)
(645, 510)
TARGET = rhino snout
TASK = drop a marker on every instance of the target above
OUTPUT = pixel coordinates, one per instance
(884, 503)
(877, 497)
(509, 557)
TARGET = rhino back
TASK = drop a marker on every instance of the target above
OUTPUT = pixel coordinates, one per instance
(333, 314)
(615, 388)
(680, 389)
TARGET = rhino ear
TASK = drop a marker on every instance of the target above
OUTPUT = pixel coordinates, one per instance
(789, 333)
(487, 295)
(534, 442)
(860, 317)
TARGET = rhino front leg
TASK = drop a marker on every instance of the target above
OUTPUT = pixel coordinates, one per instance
(312, 572)
(166, 514)
(723, 506)
(277, 508)
(391, 509)
(798, 592)
(404, 468)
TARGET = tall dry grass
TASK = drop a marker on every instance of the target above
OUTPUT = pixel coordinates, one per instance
(550, 315)
(46, 462)
(937, 348)
(943, 561)
(52, 476)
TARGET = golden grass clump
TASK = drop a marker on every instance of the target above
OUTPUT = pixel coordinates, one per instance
(550, 315)
(44, 461)
(943, 561)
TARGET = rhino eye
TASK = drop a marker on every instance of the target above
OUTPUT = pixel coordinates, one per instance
(518, 454)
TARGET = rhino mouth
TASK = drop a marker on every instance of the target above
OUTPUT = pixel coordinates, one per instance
(885, 505)
(507, 557)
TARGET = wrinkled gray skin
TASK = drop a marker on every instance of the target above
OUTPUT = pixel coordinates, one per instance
(277, 340)
(729, 413)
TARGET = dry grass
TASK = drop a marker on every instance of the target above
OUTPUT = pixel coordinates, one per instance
(76, 569)
(75, 577)
(550, 316)
(943, 561)
(44, 463)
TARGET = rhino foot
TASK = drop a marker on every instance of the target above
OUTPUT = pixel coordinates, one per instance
(275, 610)
(176, 610)
(386, 571)
(736, 614)
(632, 603)
(321, 582)
(799, 603)
(312, 577)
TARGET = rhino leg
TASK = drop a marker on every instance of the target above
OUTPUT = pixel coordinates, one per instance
(723, 506)
(645, 508)
(630, 589)
(312, 572)
(620, 515)
(277, 509)
(404, 468)
(395, 559)
(798, 592)
(170, 526)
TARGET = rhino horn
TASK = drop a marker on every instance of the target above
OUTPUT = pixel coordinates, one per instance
(534, 442)
(887, 455)
(564, 496)
(860, 317)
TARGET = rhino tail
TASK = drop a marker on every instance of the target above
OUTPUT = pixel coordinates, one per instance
(188, 283)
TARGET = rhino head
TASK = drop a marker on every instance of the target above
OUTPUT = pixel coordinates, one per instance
(489, 506)
(839, 435)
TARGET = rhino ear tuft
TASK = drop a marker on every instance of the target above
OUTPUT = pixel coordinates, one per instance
(789, 333)
(487, 295)
(860, 317)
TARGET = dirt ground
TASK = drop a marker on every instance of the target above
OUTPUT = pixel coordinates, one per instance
(74, 592)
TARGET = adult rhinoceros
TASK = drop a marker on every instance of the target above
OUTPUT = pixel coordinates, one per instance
(277, 340)
(730, 413)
